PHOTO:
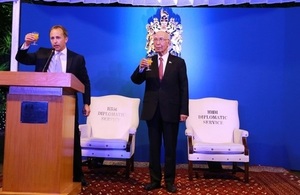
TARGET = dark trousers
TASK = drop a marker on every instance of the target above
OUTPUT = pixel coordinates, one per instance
(158, 131)
(77, 159)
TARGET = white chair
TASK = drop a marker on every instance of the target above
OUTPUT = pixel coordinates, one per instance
(214, 135)
(110, 129)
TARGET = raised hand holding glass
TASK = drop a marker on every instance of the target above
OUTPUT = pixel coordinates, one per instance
(36, 37)
(149, 62)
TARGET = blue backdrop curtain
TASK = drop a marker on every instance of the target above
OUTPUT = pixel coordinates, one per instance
(236, 53)
(169, 2)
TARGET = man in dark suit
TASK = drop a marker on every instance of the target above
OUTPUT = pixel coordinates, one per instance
(165, 104)
(69, 62)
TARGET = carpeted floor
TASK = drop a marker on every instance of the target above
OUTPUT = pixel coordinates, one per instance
(108, 180)
(263, 180)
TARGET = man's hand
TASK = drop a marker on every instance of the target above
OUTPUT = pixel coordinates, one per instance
(29, 38)
(183, 117)
(86, 110)
(144, 63)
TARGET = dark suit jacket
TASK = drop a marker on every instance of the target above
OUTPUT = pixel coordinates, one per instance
(171, 94)
(75, 65)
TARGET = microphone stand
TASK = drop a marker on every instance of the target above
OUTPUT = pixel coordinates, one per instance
(48, 61)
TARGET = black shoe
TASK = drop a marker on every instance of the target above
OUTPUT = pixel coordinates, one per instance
(152, 186)
(171, 187)
(84, 182)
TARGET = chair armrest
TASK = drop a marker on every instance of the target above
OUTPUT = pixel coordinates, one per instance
(240, 136)
(130, 139)
(189, 132)
(245, 133)
(83, 128)
(132, 131)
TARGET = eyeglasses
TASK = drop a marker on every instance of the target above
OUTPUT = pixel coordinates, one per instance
(159, 39)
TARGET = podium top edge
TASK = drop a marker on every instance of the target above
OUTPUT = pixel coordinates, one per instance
(41, 79)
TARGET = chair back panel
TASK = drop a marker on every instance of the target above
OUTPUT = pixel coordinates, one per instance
(112, 116)
(213, 120)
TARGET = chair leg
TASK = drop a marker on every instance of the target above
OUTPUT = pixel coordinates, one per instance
(89, 163)
(190, 170)
(246, 176)
(128, 162)
(234, 168)
(132, 163)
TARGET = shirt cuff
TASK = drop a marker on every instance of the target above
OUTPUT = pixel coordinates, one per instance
(141, 70)
(24, 47)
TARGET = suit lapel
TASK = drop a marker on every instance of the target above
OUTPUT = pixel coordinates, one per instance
(69, 61)
(155, 67)
(168, 65)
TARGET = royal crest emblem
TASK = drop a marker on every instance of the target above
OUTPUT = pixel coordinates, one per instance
(165, 20)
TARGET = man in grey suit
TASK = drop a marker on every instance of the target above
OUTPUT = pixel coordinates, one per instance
(69, 62)
(165, 104)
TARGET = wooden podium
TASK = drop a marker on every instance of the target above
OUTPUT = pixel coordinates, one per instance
(39, 135)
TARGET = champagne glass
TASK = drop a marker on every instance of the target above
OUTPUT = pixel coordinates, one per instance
(36, 37)
(149, 62)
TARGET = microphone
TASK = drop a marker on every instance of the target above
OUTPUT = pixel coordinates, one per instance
(48, 61)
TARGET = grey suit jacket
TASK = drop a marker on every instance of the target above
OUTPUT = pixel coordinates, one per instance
(75, 65)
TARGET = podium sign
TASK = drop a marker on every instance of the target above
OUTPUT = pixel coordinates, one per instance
(39, 135)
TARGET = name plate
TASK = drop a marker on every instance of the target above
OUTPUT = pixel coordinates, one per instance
(34, 112)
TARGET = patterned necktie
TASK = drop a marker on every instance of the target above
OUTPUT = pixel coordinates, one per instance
(55, 64)
(161, 68)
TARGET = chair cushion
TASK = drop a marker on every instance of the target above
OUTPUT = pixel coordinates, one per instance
(117, 144)
(224, 148)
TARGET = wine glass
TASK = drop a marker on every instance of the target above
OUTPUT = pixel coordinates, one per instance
(36, 37)
(149, 62)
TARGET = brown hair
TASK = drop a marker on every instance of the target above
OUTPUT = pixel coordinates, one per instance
(65, 32)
